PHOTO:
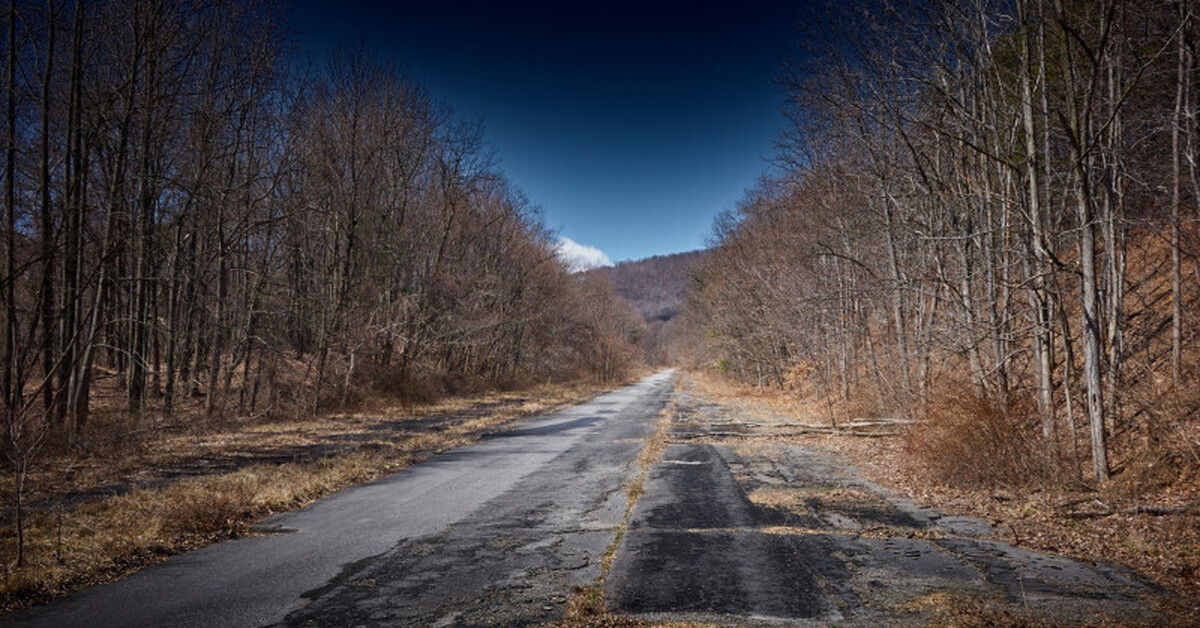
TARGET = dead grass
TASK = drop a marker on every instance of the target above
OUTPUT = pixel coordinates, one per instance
(650, 453)
(118, 508)
(797, 499)
(969, 440)
(946, 610)
(616, 621)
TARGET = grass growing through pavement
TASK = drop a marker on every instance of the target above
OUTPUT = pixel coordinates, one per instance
(588, 607)
(103, 539)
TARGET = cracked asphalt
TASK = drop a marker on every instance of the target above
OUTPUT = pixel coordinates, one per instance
(819, 545)
(730, 529)
(516, 560)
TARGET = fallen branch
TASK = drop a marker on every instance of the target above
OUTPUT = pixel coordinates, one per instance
(866, 428)
(1159, 511)
(1071, 503)
(845, 424)
(1137, 509)
(871, 434)
(710, 434)
(884, 421)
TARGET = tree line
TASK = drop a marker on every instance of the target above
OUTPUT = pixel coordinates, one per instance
(194, 219)
(998, 195)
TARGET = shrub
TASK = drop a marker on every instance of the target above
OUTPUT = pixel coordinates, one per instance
(967, 439)
(217, 508)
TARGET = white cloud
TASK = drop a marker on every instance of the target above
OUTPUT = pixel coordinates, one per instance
(579, 257)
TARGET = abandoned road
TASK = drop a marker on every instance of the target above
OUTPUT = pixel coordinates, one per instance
(730, 529)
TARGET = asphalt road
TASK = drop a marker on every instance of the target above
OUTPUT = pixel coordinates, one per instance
(489, 534)
(501, 533)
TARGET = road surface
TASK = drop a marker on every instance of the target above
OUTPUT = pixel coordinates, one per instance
(731, 529)
(496, 532)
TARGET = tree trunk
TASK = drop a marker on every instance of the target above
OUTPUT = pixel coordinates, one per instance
(1079, 131)
(218, 322)
(72, 315)
(8, 383)
(1042, 333)
(1177, 122)
(46, 295)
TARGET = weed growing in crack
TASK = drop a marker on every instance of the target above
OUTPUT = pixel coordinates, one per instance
(588, 607)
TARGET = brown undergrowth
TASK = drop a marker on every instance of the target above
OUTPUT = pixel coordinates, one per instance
(965, 436)
(102, 512)
(1055, 514)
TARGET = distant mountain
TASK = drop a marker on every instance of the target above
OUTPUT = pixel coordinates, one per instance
(655, 285)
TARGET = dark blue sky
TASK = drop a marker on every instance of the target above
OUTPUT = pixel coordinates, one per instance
(630, 123)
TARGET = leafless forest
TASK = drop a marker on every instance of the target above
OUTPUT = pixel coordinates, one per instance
(985, 217)
(983, 221)
(655, 287)
(195, 222)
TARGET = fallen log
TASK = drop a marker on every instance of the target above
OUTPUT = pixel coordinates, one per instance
(1137, 509)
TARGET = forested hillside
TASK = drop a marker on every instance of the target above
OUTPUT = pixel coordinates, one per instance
(187, 217)
(655, 288)
(655, 285)
(985, 217)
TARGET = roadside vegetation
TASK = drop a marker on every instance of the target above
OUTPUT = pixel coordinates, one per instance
(983, 212)
(1161, 545)
(655, 287)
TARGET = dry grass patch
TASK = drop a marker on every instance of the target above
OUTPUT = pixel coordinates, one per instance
(101, 541)
(951, 610)
(650, 453)
(798, 499)
(615, 621)
(778, 498)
